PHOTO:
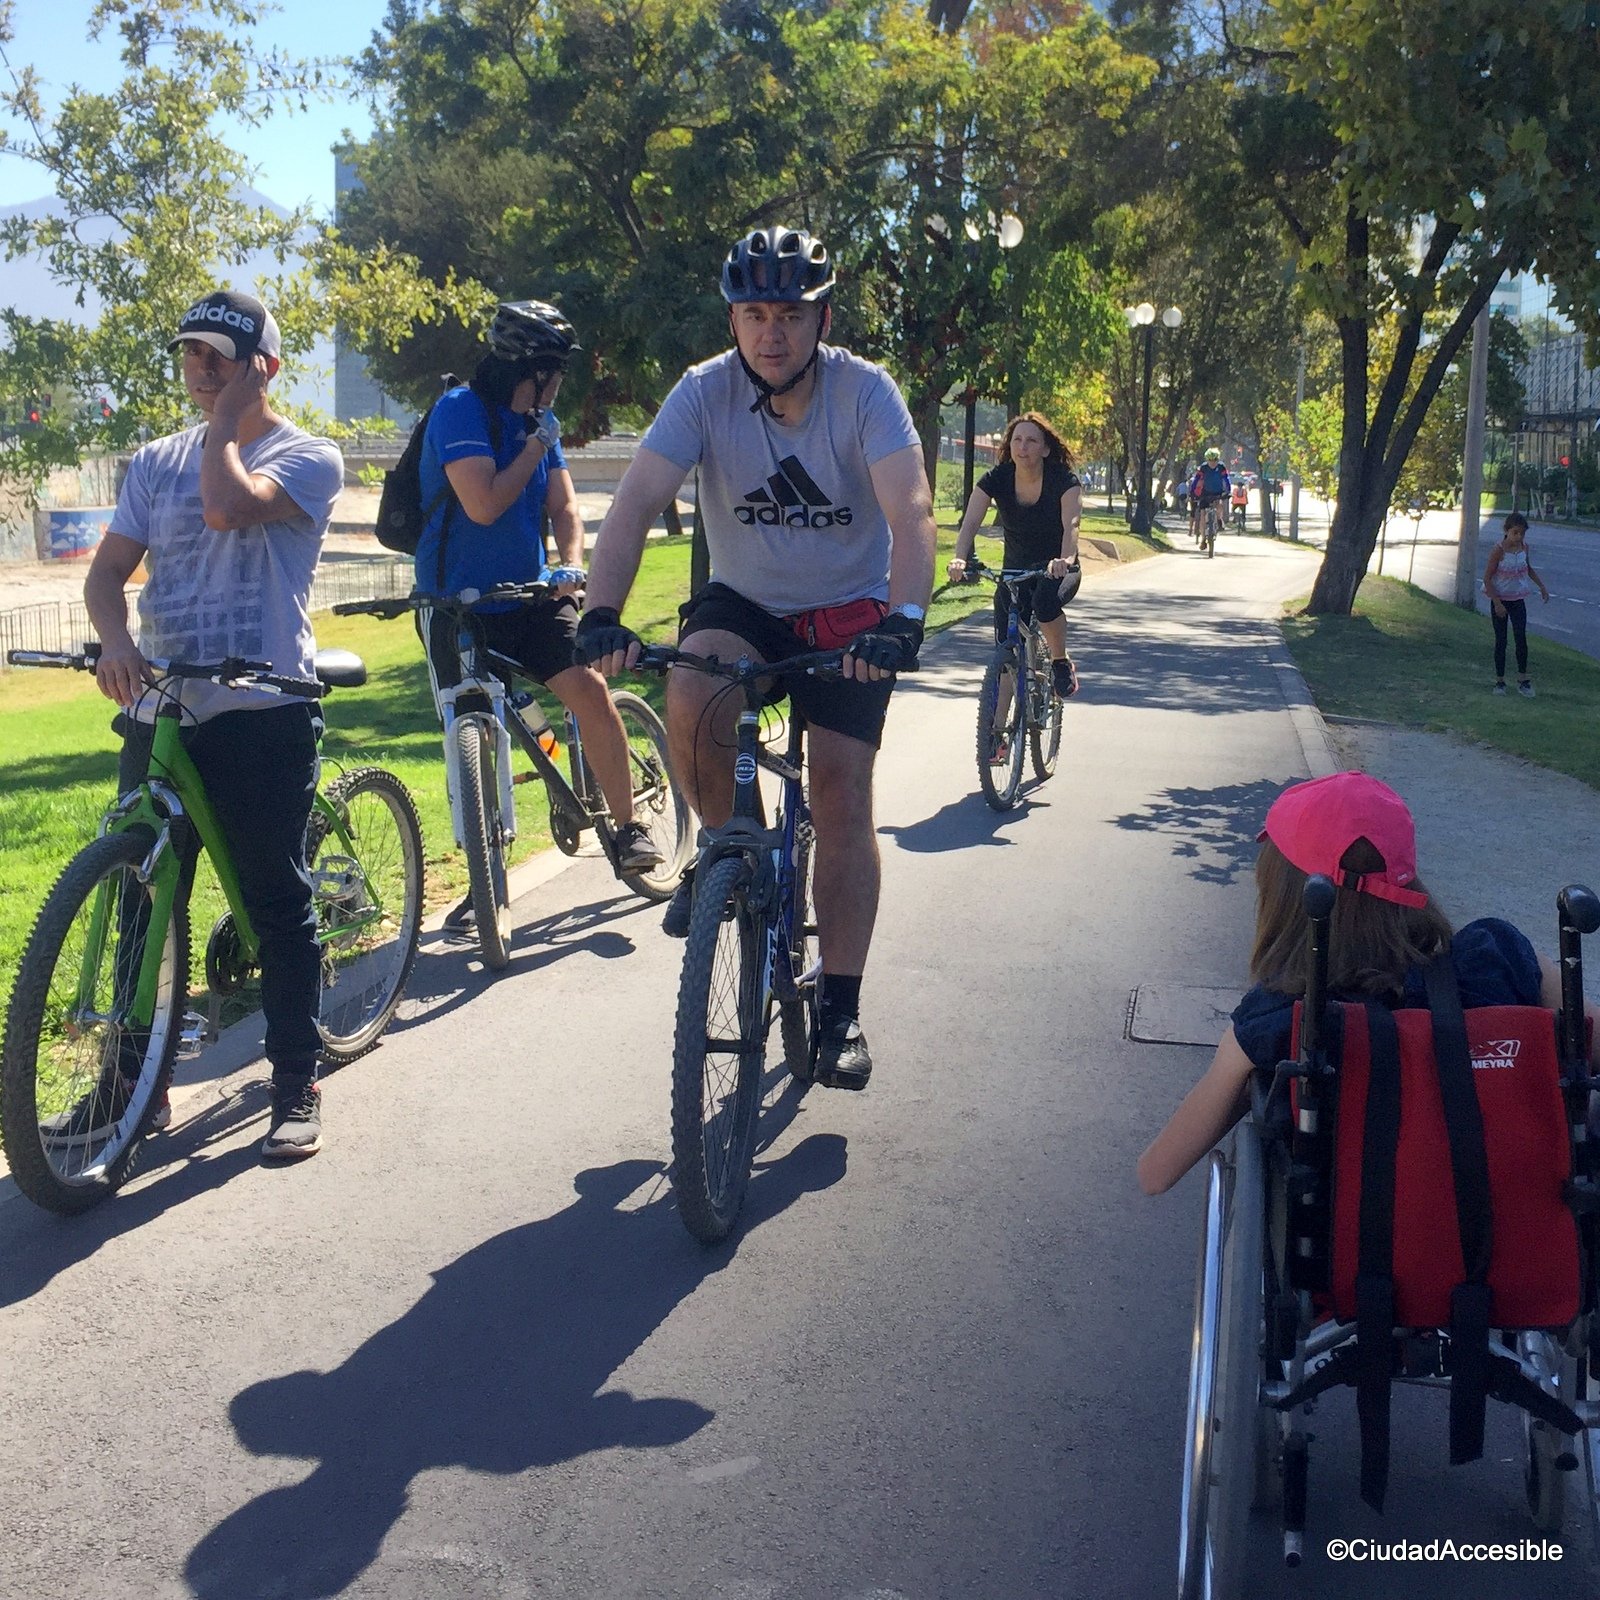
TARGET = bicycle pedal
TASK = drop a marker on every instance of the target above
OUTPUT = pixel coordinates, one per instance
(193, 1036)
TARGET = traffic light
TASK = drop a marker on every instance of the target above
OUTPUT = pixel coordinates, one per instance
(105, 408)
(34, 410)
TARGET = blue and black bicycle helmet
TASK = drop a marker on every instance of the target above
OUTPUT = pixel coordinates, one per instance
(777, 264)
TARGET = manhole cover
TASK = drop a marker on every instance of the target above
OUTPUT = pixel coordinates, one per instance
(1179, 1013)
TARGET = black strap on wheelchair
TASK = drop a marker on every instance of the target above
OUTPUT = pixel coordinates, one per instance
(1374, 1363)
(1471, 1301)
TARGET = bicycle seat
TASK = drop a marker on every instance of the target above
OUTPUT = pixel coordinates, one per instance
(340, 669)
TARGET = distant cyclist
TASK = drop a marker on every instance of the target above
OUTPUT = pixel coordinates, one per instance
(820, 526)
(1211, 485)
(1040, 503)
(491, 465)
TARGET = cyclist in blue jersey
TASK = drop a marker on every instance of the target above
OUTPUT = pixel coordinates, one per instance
(491, 466)
(1208, 486)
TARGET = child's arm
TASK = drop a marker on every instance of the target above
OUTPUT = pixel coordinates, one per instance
(1538, 580)
(1550, 995)
(1209, 1109)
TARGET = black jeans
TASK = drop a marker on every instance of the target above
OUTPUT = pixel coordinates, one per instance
(260, 773)
(1516, 613)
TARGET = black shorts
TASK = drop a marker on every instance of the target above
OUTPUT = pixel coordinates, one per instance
(1044, 598)
(537, 637)
(841, 705)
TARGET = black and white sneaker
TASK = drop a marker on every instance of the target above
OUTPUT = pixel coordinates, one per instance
(1064, 677)
(636, 850)
(843, 1061)
(296, 1129)
(93, 1117)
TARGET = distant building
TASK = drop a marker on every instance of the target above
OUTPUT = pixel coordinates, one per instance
(356, 393)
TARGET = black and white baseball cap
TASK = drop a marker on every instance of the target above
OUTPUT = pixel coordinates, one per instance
(234, 324)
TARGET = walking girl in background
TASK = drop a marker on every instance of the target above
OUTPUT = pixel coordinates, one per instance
(1040, 503)
(1508, 580)
(1385, 930)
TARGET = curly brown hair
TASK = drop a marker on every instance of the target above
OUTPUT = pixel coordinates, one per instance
(1055, 445)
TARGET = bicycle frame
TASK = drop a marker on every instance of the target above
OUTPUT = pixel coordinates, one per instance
(172, 793)
(1020, 634)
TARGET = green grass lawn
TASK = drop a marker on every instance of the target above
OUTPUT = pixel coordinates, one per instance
(1407, 658)
(60, 755)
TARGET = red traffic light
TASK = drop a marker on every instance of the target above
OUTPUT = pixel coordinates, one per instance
(33, 413)
(1566, 461)
(105, 407)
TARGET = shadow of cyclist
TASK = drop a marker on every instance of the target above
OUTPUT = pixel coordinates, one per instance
(499, 1368)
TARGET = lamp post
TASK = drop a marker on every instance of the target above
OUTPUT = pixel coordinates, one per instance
(1007, 231)
(1142, 319)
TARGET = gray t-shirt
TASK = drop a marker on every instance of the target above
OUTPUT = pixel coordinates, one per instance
(791, 519)
(244, 592)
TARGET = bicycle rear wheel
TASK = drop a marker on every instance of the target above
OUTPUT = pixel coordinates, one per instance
(79, 1081)
(797, 1019)
(657, 800)
(1001, 782)
(476, 742)
(369, 907)
(1044, 732)
(717, 1050)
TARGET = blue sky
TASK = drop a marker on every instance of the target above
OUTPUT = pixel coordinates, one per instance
(291, 152)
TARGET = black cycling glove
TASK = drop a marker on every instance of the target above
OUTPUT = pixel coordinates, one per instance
(891, 645)
(600, 634)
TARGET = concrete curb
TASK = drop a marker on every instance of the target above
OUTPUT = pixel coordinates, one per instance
(1316, 748)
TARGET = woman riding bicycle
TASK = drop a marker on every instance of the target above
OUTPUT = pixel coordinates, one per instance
(1210, 486)
(491, 464)
(1040, 503)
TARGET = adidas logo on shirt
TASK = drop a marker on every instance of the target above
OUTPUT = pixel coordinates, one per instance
(791, 499)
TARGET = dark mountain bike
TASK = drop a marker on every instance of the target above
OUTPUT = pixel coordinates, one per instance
(481, 718)
(1011, 718)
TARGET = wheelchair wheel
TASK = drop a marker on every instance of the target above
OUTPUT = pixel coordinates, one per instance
(1543, 1481)
(1222, 1437)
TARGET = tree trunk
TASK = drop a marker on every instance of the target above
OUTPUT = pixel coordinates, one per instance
(925, 407)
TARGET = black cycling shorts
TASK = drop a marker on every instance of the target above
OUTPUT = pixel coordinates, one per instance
(1044, 598)
(841, 705)
(538, 638)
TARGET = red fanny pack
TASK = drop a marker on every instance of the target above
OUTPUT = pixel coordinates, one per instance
(1534, 1261)
(833, 627)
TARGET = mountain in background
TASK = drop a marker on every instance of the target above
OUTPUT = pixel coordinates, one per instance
(26, 286)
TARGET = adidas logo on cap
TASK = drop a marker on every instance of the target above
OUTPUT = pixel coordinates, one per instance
(234, 324)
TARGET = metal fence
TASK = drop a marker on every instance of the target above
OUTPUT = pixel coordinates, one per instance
(64, 624)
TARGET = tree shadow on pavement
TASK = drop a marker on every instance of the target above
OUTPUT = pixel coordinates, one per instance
(1214, 829)
(501, 1368)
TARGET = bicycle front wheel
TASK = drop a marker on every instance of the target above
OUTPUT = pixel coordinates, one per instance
(657, 800)
(483, 837)
(1000, 753)
(369, 907)
(81, 1074)
(717, 1052)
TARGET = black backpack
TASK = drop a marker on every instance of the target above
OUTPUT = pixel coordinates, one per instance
(402, 517)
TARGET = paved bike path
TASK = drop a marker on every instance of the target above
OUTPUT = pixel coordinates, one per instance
(469, 1351)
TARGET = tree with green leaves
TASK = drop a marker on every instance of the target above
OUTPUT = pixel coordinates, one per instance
(1416, 151)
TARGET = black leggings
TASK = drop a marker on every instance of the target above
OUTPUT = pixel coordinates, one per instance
(1516, 613)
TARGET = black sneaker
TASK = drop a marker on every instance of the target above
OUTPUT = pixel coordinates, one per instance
(93, 1117)
(1064, 677)
(843, 1061)
(636, 850)
(296, 1129)
(675, 921)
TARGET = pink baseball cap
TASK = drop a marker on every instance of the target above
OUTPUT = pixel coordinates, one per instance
(1314, 823)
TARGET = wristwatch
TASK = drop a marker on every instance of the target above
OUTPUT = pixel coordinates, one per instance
(916, 614)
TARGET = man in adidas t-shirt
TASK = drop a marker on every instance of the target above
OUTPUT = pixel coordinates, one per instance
(820, 527)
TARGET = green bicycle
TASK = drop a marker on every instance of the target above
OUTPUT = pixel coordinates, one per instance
(102, 985)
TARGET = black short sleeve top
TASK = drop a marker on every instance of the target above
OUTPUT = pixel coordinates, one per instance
(1032, 532)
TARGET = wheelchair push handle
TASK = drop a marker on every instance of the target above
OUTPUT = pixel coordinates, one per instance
(1317, 900)
(1578, 913)
(1579, 908)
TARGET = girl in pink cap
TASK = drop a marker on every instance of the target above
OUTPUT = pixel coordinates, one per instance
(1385, 929)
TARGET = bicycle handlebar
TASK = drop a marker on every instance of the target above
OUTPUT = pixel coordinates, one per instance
(469, 600)
(232, 673)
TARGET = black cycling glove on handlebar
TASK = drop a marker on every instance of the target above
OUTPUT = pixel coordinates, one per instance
(891, 645)
(600, 634)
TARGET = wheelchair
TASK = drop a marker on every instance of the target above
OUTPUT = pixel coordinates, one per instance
(1270, 1333)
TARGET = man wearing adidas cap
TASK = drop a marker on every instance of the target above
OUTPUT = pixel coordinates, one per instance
(820, 527)
(228, 517)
